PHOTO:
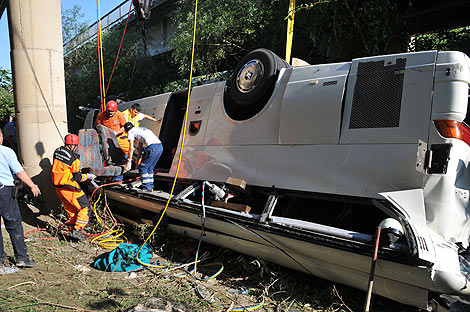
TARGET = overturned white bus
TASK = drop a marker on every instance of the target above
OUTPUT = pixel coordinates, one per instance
(304, 163)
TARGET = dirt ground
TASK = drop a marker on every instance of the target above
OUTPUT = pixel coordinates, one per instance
(63, 279)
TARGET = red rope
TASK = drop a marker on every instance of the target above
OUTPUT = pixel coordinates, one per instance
(43, 229)
(41, 238)
(91, 204)
(119, 50)
(111, 183)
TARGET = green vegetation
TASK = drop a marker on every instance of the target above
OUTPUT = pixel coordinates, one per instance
(339, 30)
(325, 31)
(72, 23)
(225, 32)
(7, 105)
(445, 40)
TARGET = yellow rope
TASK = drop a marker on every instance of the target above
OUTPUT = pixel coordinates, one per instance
(94, 209)
(290, 30)
(182, 142)
(107, 240)
(100, 41)
(110, 242)
(176, 176)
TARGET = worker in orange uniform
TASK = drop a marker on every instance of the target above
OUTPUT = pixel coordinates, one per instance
(114, 120)
(65, 176)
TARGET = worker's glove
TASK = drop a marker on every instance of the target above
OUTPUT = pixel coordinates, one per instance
(128, 165)
(115, 133)
(90, 176)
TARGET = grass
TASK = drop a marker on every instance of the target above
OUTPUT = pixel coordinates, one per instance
(63, 280)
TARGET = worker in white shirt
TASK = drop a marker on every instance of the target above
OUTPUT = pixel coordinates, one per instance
(152, 147)
(134, 116)
(9, 210)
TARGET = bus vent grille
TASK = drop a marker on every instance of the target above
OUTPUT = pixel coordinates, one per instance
(377, 95)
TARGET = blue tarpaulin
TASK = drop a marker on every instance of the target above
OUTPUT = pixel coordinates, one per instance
(123, 258)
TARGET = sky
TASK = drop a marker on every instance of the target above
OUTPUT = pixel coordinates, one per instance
(88, 8)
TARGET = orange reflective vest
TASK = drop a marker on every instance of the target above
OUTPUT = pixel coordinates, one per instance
(114, 123)
(65, 169)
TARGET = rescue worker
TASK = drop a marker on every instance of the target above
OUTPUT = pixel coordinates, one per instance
(148, 142)
(114, 120)
(65, 176)
(9, 210)
(134, 116)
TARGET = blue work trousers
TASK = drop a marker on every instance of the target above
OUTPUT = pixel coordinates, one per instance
(10, 213)
(119, 178)
(147, 166)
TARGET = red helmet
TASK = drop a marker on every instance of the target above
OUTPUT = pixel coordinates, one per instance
(111, 106)
(72, 139)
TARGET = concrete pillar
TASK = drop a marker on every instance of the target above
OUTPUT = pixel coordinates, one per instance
(39, 87)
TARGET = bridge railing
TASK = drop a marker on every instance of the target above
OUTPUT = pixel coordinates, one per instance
(109, 20)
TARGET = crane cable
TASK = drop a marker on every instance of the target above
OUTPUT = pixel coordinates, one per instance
(102, 59)
(100, 56)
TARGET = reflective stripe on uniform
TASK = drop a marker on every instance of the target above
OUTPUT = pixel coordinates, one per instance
(71, 187)
(76, 205)
(147, 177)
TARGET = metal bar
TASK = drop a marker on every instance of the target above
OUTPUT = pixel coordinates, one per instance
(372, 270)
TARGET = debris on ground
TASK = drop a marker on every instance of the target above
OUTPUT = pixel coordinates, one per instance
(63, 279)
(82, 268)
(157, 305)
